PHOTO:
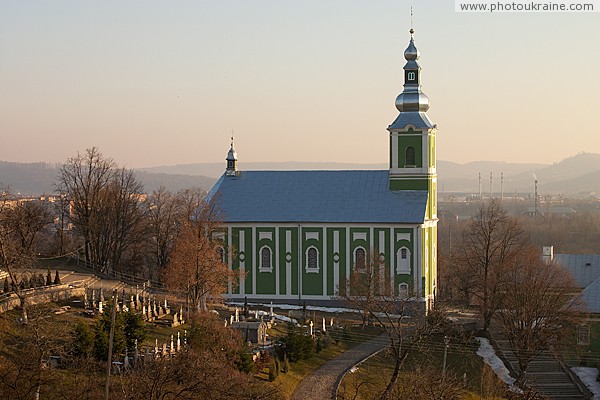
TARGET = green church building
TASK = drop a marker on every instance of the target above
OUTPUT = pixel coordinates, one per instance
(297, 236)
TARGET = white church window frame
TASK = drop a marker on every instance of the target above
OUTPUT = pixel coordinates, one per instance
(265, 263)
(221, 254)
(403, 260)
(403, 290)
(412, 76)
(311, 260)
(357, 265)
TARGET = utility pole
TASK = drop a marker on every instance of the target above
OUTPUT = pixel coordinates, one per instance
(490, 185)
(501, 186)
(446, 341)
(480, 186)
(110, 342)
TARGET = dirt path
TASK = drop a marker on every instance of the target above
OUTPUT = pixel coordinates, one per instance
(322, 382)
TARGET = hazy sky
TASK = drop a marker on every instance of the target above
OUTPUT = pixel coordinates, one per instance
(165, 82)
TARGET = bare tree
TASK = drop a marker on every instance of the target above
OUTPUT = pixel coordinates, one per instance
(489, 246)
(20, 224)
(366, 284)
(404, 319)
(542, 310)
(106, 206)
(197, 266)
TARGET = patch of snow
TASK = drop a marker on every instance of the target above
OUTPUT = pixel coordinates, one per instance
(285, 319)
(486, 351)
(588, 377)
(298, 307)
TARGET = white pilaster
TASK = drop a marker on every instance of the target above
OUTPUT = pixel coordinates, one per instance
(288, 264)
(276, 252)
(242, 235)
(324, 263)
(336, 263)
(254, 263)
(229, 259)
(392, 259)
(417, 256)
(394, 150)
(348, 261)
(381, 268)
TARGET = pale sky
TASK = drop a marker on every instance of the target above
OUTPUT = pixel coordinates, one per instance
(165, 82)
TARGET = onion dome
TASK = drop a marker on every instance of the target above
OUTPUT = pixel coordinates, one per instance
(411, 98)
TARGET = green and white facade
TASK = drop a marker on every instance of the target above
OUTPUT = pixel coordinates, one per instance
(297, 235)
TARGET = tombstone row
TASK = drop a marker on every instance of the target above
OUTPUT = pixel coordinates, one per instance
(140, 302)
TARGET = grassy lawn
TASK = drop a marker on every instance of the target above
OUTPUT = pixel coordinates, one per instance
(462, 366)
(286, 383)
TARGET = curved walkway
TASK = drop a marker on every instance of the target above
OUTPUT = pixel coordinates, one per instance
(322, 382)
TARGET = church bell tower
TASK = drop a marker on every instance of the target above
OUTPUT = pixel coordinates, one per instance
(412, 136)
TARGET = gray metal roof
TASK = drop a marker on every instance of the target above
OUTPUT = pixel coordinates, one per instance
(585, 268)
(419, 120)
(591, 297)
(315, 196)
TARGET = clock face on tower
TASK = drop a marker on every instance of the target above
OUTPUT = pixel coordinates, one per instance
(411, 77)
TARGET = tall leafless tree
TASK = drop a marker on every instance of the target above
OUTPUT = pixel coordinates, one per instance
(543, 308)
(489, 247)
(106, 206)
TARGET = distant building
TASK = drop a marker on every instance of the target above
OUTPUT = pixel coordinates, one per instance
(585, 269)
(298, 235)
(563, 212)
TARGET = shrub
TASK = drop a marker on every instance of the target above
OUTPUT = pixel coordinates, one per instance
(56, 278)
(6, 286)
(297, 345)
(83, 339)
(49, 277)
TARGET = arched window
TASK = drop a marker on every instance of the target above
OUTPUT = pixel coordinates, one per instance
(360, 259)
(403, 261)
(410, 156)
(312, 259)
(221, 254)
(265, 260)
(403, 290)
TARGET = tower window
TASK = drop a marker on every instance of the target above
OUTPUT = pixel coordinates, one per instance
(312, 260)
(265, 260)
(410, 156)
(411, 76)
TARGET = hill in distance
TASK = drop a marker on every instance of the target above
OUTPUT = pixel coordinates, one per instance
(31, 179)
(572, 176)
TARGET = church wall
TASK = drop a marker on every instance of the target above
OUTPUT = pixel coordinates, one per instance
(336, 248)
